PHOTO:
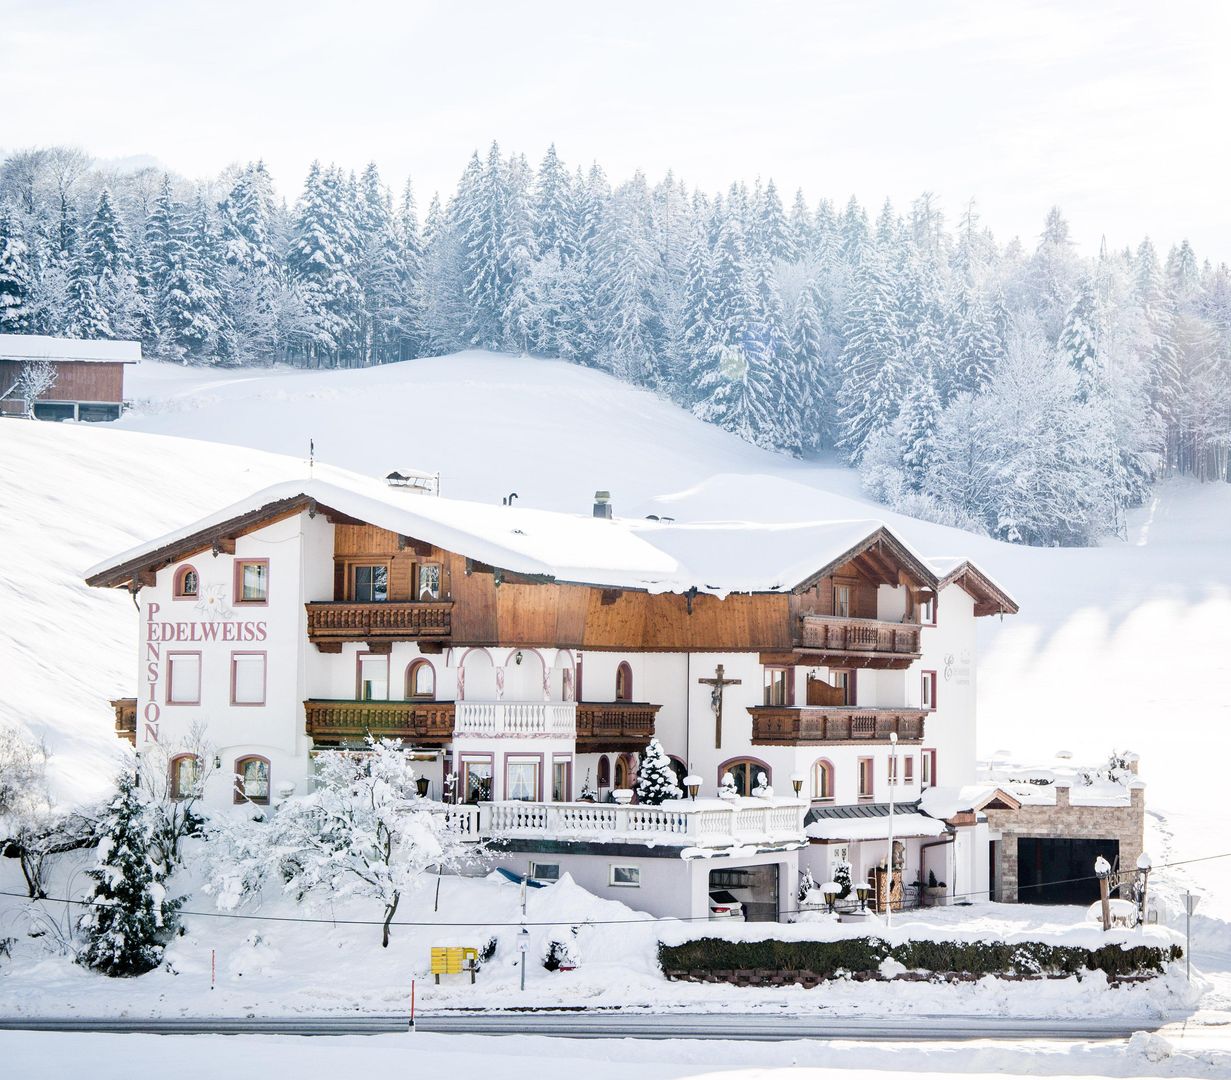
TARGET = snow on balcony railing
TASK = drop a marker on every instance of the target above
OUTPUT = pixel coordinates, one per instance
(516, 718)
(706, 823)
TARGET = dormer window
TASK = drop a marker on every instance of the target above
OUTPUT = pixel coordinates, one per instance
(187, 584)
(842, 601)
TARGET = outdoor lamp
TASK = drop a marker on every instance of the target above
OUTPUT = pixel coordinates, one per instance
(217, 762)
(861, 890)
(797, 782)
(421, 784)
(1144, 864)
(693, 784)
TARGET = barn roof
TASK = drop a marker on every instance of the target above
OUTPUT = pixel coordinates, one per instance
(78, 350)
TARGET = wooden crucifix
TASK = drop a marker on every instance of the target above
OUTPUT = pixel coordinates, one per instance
(717, 684)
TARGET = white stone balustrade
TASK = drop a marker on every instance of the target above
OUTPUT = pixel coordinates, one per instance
(706, 823)
(557, 719)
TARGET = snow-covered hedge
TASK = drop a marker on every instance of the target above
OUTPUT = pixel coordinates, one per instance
(856, 955)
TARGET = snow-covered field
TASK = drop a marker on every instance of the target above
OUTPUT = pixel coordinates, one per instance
(1122, 646)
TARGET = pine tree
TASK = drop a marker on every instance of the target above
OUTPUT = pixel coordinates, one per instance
(16, 280)
(656, 781)
(410, 317)
(874, 363)
(552, 211)
(917, 421)
(1079, 341)
(129, 917)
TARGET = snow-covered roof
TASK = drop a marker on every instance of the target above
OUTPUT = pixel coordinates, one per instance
(42, 347)
(945, 802)
(657, 556)
(875, 828)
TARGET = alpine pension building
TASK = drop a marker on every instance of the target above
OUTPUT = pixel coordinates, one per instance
(525, 658)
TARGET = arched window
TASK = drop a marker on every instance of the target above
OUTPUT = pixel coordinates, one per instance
(822, 780)
(185, 776)
(604, 771)
(187, 584)
(745, 772)
(421, 681)
(624, 682)
(680, 769)
(252, 780)
(625, 772)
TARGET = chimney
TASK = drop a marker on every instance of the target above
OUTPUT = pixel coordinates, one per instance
(602, 504)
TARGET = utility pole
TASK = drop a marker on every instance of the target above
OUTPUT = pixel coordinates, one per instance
(893, 778)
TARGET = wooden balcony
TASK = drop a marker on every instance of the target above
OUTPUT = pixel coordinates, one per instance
(776, 725)
(613, 726)
(126, 719)
(421, 722)
(868, 643)
(331, 624)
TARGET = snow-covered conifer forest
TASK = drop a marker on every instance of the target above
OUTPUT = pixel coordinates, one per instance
(1013, 387)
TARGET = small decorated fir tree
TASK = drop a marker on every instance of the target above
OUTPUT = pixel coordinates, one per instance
(129, 918)
(656, 779)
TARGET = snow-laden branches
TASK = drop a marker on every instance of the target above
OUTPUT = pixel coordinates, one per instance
(362, 833)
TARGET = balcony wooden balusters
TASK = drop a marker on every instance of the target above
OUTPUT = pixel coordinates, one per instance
(774, 725)
(612, 726)
(332, 722)
(331, 624)
(860, 642)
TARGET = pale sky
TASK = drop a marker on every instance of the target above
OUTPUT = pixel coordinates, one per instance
(1115, 111)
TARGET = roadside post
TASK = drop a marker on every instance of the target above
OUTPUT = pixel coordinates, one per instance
(412, 1004)
(1102, 868)
(523, 947)
(1190, 905)
(1143, 869)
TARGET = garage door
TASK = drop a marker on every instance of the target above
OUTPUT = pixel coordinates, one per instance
(756, 887)
(1060, 870)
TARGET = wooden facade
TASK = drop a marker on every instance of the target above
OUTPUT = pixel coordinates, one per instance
(76, 381)
(613, 726)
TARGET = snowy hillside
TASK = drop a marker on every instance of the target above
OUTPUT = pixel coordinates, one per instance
(1123, 646)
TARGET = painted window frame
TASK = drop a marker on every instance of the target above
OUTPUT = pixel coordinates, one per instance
(927, 767)
(908, 768)
(465, 760)
(177, 583)
(415, 666)
(524, 757)
(237, 589)
(624, 681)
(241, 794)
(602, 772)
(742, 759)
(174, 765)
(825, 767)
(868, 792)
(171, 657)
(234, 668)
(627, 868)
(565, 760)
(927, 689)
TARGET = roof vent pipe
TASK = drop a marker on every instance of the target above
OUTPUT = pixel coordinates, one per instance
(602, 504)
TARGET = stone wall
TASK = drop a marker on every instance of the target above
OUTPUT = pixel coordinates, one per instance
(1124, 823)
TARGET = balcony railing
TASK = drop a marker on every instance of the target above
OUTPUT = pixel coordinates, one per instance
(385, 621)
(350, 721)
(126, 718)
(517, 718)
(774, 725)
(878, 643)
(608, 726)
(706, 823)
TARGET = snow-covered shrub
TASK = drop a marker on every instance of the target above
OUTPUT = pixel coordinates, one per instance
(364, 832)
(560, 954)
(129, 917)
(841, 873)
(656, 781)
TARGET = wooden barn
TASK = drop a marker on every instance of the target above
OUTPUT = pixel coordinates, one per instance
(89, 376)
